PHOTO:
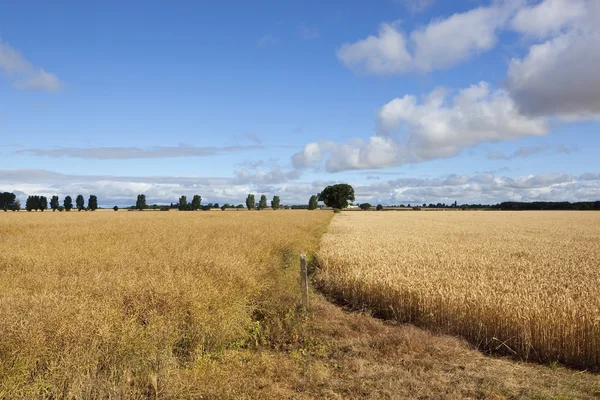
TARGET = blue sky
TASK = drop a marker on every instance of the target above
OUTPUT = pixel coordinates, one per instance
(409, 101)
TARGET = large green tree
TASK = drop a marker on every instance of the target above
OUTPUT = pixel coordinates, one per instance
(275, 203)
(337, 196)
(140, 203)
(196, 202)
(262, 204)
(93, 202)
(54, 204)
(7, 201)
(365, 206)
(183, 204)
(80, 202)
(250, 202)
(43, 203)
(312, 202)
(68, 203)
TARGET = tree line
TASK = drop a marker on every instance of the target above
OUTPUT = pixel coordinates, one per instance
(9, 202)
(335, 196)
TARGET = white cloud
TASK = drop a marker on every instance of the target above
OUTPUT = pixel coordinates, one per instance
(441, 44)
(122, 190)
(24, 75)
(446, 42)
(411, 131)
(559, 77)
(382, 54)
(549, 17)
(41, 80)
(521, 152)
(121, 153)
(483, 188)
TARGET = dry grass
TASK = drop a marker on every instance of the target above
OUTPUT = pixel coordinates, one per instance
(105, 304)
(523, 283)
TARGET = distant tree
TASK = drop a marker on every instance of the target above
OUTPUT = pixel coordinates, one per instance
(424, 205)
(80, 202)
(379, 207)
(29, 203)
(239, 206)
(313, 202)
(140, 203)
(275, 203)
(216, 205)
(43, 203)
(262, 204)
(7, 200)
(54, 203)
(365, 206)
(68, 203)
(93, 202)
(116, 208)
(337, 196)
(183, 204)
(250, 202)
(16, 206)
(61, 208)
(196, 200)
(224, 207)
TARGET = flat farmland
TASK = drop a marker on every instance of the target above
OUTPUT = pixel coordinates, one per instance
(519, 283)
(137, 304)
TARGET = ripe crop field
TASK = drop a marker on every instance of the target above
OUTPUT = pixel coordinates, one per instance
(128, 304)
(520, 283)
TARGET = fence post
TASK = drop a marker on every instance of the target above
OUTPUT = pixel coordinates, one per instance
(304, 281)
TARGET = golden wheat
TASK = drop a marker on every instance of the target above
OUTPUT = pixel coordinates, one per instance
(524, 283)
(105, 304)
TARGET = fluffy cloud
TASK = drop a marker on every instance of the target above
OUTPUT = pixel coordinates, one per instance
(482, 188)
(122, 190)
(24, 75)
(549, 17)
(410, 131)
(559, 76)
(441, 44)
(385, 53)
(114, 153)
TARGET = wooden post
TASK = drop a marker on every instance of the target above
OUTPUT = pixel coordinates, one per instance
(304, 281)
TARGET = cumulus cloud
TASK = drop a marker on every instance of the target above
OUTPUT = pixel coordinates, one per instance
(122, 190)
(484, 188)
(549, 17)
(385, 53)
(558, 77)
(411, 131)
(440, 44)
(26, 76)
(274, 176)
(113, 153)
(481, 188)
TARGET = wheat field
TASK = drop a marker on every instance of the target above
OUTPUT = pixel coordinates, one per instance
(127, 304)
(520, 283)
